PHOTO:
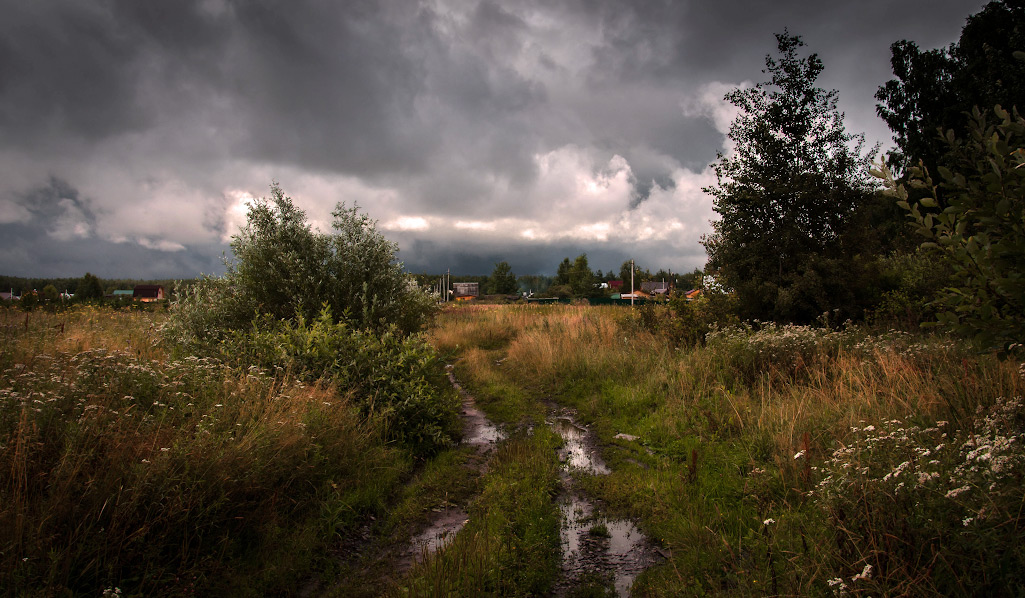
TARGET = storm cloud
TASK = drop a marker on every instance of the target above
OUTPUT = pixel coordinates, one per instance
(133, 134)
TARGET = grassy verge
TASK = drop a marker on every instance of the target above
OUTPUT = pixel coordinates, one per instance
(510, 546)
(736, 464)
(123, 468)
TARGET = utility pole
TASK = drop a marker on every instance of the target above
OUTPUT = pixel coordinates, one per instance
(631, 283)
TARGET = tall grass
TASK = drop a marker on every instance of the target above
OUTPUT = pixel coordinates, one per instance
(734, 434)
(122, 468)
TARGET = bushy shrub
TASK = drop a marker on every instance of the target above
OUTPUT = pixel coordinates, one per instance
(788, 350)
(394, 377)
(927, 510)
(685, 322)
(285, 269)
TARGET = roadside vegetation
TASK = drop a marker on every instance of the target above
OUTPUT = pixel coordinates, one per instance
(777, 459)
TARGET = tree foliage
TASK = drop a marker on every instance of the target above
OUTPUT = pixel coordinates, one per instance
(787, 193)
(935, 90)
(90, 287)
(981, 229)
(502, 280)
(284, 269)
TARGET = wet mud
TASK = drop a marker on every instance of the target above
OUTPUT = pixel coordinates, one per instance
(478, 432)
(594, 547)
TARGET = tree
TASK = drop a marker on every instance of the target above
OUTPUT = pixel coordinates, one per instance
(502, 280)
(936, 90)
(563, 272)
(981, 231)
(89, 287)
(285, 270)
(786, 193)
(50, 294)
(581, 278)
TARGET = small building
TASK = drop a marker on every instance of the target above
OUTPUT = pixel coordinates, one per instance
(123, 294)
(653, 287)
(148, 292)
(465, 291)
(692, 294)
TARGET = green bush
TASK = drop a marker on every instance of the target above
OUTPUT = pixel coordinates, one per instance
(284, 269)
(977, 224)
(394, 377)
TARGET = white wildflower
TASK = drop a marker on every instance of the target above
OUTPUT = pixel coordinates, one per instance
(866, 573)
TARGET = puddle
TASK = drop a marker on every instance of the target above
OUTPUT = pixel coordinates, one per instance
(444, 524)
(575, 451)
(592, 544)
(439, 533)
(478, 430)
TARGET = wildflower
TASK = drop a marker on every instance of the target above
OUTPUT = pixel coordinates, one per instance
(866, 573)
(769, 521)
(967, 520)
(799, 454)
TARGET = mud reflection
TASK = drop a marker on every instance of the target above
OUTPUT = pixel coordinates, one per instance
(439, 534)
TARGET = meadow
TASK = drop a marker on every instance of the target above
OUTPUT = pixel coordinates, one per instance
(779, 460)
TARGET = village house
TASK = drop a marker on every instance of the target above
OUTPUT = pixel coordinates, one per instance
(148, 292)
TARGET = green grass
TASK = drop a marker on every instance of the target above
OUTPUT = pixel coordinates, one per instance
(715, 475)
(510, 546)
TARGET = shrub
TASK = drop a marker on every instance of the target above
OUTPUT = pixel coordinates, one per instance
(395, 377)
(284, 269)
(976, 224)
(930, 510)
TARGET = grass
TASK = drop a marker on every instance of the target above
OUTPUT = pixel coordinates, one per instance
(510, 546)
(120, 467)
(713, 475)
(779, 460)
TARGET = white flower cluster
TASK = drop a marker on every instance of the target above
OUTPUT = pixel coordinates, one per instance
(899, 458)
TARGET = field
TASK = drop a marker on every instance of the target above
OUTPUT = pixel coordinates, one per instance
(779, 461)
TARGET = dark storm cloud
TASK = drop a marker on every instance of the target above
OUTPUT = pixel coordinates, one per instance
(56, 238)
(131, 132)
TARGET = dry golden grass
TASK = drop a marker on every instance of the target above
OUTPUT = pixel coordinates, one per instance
(556, 346)
(117, 463)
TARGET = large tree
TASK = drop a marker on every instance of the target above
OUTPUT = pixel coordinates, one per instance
(936, 90)
(981, 231)
(786, 193)
(502, 280)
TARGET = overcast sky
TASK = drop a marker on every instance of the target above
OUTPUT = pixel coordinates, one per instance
(132, 133)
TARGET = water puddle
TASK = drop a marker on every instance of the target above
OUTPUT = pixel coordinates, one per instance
(593, 545)
(441, 531)
(478, 432)
(575, 453)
